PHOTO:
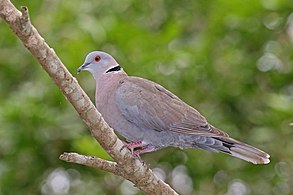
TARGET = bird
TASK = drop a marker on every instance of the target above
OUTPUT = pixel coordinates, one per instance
(151, 117)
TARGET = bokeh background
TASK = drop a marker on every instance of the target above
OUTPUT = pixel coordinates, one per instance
(232, 60)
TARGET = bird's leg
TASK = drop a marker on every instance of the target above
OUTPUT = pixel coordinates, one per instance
(132, 145)
(145, 149)
(140, 147)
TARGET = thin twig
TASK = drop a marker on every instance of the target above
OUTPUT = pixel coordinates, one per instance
(92, 161)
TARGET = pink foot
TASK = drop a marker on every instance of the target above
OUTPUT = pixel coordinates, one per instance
(138, 148)
(132, 145)
(144, 149)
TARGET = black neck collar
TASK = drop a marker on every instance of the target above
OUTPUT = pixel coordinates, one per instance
(114, 69)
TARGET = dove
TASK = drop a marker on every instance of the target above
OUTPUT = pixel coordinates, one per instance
(150, 117)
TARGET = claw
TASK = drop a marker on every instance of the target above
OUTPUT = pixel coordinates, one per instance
(131, 146)
(145, 149)
(138, 148)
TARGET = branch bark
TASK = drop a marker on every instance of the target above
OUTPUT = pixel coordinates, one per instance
(92, 161)
(126, 166)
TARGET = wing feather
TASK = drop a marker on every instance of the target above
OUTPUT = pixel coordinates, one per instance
(148, 105)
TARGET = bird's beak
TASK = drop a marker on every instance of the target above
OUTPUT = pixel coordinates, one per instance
(82, 67)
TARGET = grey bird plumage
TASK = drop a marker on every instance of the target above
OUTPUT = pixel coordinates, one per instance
(151, 117)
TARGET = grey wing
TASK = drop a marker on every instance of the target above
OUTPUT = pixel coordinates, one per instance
(150, 106)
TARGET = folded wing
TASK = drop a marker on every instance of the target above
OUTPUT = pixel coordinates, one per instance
(150, 106)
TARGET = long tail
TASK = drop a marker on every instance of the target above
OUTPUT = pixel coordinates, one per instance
(243, 151)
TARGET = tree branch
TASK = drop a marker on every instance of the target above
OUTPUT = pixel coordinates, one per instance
(92, 161)
(126, 166)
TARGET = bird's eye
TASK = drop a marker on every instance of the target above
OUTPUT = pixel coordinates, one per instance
(97, 58)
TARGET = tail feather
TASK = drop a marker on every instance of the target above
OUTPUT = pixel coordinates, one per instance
(244, 151)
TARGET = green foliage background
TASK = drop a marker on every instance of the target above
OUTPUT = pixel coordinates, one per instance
(232, 60)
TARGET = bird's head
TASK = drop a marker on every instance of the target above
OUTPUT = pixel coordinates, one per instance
(98, 63)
